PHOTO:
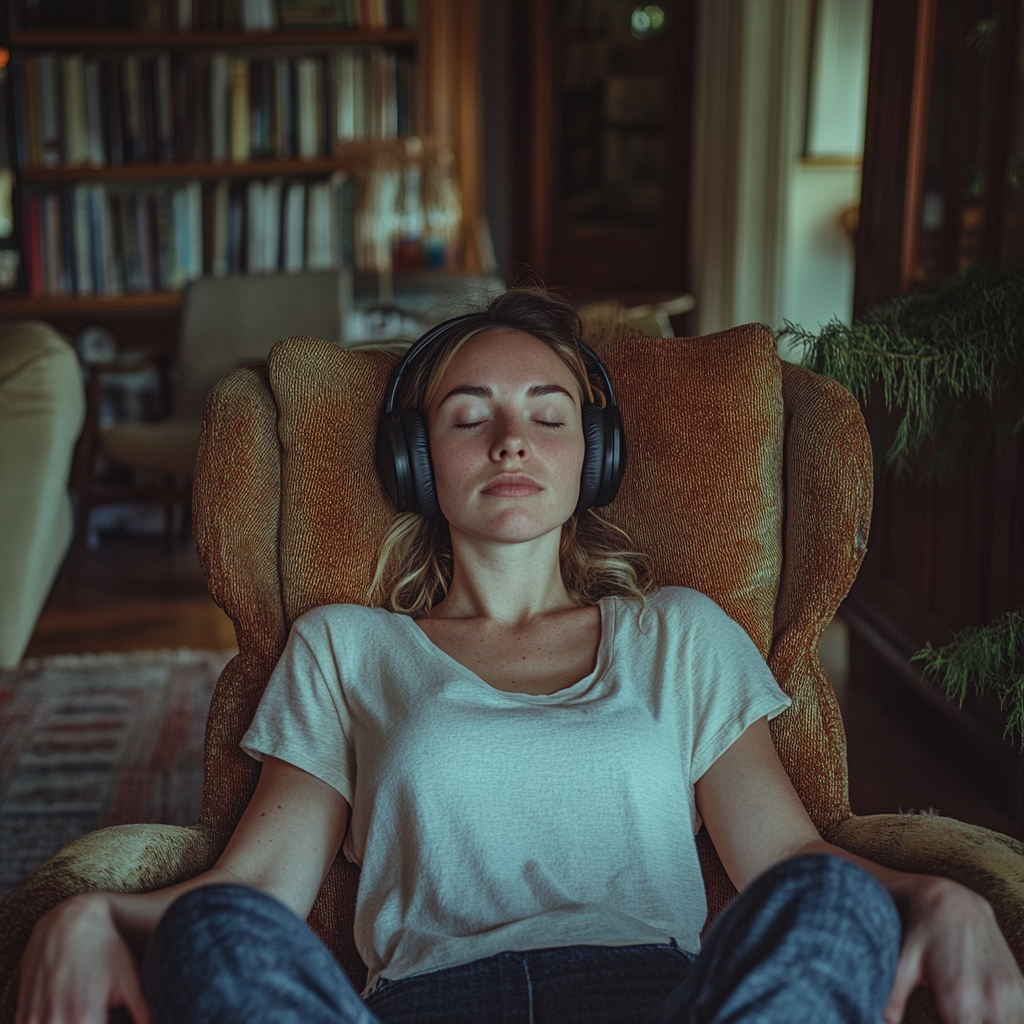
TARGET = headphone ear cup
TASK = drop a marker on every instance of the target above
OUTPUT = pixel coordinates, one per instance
(392, 458)
(614, 463)
(422, 493)
(593, 456)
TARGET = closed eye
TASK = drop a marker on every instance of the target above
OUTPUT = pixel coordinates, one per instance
(467, 426)
(549, 423)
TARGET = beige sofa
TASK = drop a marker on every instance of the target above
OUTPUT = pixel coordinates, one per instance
(42, 407)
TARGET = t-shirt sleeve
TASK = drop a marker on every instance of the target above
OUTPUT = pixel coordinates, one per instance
(731, 686)
(302, 717)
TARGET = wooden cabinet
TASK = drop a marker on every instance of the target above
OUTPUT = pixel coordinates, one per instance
(942, 188)
(610, 128)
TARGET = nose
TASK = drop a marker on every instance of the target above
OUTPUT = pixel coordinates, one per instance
(509, 442)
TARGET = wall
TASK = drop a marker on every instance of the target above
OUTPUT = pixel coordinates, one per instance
(768, 244)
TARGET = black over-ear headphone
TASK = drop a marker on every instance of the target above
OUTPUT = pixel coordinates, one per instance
(403, 448)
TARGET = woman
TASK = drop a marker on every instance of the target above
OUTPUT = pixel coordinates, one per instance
(518, 755)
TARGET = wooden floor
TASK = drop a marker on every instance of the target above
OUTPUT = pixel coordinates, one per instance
(133, 595)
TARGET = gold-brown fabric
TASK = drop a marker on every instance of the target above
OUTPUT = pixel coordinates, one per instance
(748, 479)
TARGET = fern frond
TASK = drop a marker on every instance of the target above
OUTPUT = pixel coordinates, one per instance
(984, 659)
(949, 360)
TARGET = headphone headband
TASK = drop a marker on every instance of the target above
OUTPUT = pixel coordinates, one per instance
(425, 341)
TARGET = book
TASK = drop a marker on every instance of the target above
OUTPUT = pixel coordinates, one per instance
(312, 14)
(81, 227)
(164, 119)
(113, 121)
(220, 99)
(272, 192)
(219, 223)
(309, 117)
(76, 131)
(95, 148)
(49, 117)
(34, 247)
(284, 107)
(295, 227)
(240, 138)
(134, 116)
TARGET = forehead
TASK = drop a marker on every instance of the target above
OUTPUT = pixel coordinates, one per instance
(507, 355)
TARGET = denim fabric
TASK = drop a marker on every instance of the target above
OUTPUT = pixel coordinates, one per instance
(815, 940)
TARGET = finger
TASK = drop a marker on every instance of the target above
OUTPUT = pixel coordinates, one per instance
(134, 1000)
(908, 977)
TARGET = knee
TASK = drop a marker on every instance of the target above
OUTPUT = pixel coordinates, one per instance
(841, 895)
(214, 915)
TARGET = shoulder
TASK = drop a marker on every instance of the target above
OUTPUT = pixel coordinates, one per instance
(673, 605)
(337, 621)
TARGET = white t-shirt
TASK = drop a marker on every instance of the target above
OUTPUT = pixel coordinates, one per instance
(487, 821)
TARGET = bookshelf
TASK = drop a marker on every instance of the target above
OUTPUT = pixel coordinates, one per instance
(139, 191)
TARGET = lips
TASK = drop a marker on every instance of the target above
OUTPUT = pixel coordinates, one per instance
(512, 485)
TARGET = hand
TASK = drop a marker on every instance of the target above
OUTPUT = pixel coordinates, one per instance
(77, 966)
(953, 945)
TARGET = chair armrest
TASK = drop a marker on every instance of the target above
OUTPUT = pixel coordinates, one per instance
(989, 863)
(123, 858)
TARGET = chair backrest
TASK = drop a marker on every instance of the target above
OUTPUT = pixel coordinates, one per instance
(749, 480)
(229, 321)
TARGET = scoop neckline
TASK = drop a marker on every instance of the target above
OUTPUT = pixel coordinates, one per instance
(606, 608)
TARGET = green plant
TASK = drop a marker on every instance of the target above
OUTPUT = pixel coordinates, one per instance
(984, 658)
(949, 360)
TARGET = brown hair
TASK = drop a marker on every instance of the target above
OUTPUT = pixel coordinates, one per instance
(416, 556)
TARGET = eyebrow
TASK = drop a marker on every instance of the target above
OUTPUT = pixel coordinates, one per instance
(482, 391)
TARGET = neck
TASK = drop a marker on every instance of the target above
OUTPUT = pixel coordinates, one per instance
(507, 583)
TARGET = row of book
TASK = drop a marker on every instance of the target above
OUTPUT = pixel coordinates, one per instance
(95, 239)
(91, 239)
(212, 15)
(162, 107)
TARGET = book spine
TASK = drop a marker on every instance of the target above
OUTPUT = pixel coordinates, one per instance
(221, 202)
(67, 238)
(140, 203)
(34, 247)
(272, 225)
(82, 232)
(21, 113)
(164, 109)
(254, 215)
(194, 192)
(220, 91)
(76, 128)
(240, 145)
(49, 109)
(134, 128)
(94, 113)
(346, 131)
(305, 75)
(295, 227)
(113, 121)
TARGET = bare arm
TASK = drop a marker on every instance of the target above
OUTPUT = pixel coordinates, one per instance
(951, 941)
(78, 963)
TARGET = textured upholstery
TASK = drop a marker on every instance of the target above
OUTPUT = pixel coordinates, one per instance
(749, 479)
(42, 407)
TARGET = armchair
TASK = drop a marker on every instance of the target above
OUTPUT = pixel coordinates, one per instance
(749, 479)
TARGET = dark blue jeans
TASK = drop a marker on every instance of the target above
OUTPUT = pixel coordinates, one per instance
(814, 939)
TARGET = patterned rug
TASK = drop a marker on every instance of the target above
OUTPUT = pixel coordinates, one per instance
(98, 739)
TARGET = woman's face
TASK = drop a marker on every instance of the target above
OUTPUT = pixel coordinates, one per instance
(506, 438)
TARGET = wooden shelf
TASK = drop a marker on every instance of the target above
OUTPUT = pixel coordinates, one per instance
(18, 307)
(91, 39)
(355, 154)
